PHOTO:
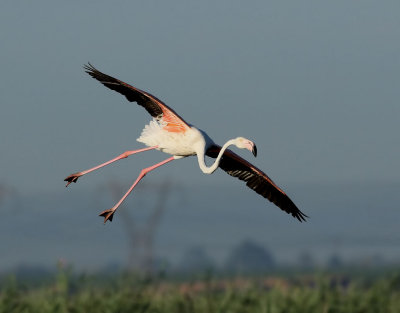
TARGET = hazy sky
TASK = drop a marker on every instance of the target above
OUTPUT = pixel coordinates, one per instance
(314, 83)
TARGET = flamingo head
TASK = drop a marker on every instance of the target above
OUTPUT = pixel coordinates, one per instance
(244, 143)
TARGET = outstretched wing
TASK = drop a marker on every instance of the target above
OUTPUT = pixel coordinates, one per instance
(156, 108)
(255, 179)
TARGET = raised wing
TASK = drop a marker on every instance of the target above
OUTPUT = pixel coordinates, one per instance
(156, 108)
(255, 179)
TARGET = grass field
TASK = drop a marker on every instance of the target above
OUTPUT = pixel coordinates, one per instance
(127, 293)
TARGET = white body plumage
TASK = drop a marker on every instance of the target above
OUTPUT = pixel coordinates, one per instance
(179, 144)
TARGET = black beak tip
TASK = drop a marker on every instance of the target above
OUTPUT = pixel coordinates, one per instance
(254, 151)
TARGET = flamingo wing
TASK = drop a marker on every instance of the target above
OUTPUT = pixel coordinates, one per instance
(156, 108)
(256, 179)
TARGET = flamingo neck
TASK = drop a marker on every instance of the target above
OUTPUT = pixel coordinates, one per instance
(211, 169)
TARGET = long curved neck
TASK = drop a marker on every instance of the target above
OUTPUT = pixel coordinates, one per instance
(209, 170)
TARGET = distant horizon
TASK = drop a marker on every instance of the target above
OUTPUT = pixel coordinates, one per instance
(63, 224)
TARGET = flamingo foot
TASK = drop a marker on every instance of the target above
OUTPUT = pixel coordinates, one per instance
(72, 178)
(108, 215)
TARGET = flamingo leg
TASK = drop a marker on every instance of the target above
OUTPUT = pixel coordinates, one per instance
(108, 214)
(74, 177)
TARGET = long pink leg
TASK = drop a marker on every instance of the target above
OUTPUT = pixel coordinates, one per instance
(74, 177)
(108, 214)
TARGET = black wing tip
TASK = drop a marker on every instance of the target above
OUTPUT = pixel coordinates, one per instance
(90, 69)
(292, 209)
(88, 66)
(300, 216)
(289, 207)
(105, 79)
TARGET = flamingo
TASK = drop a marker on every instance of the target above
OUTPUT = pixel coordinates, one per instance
(169, 133)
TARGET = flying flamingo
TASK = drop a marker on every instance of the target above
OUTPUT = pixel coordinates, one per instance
(169, 133)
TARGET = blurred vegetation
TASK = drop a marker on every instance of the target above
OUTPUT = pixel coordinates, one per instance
(128, 292)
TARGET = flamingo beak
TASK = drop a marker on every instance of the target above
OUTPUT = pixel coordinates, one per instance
(254, 150)
(251, 146)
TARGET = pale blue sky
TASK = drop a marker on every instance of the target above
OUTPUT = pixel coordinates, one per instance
(314, 83)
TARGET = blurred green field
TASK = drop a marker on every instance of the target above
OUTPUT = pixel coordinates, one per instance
(125, 292)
